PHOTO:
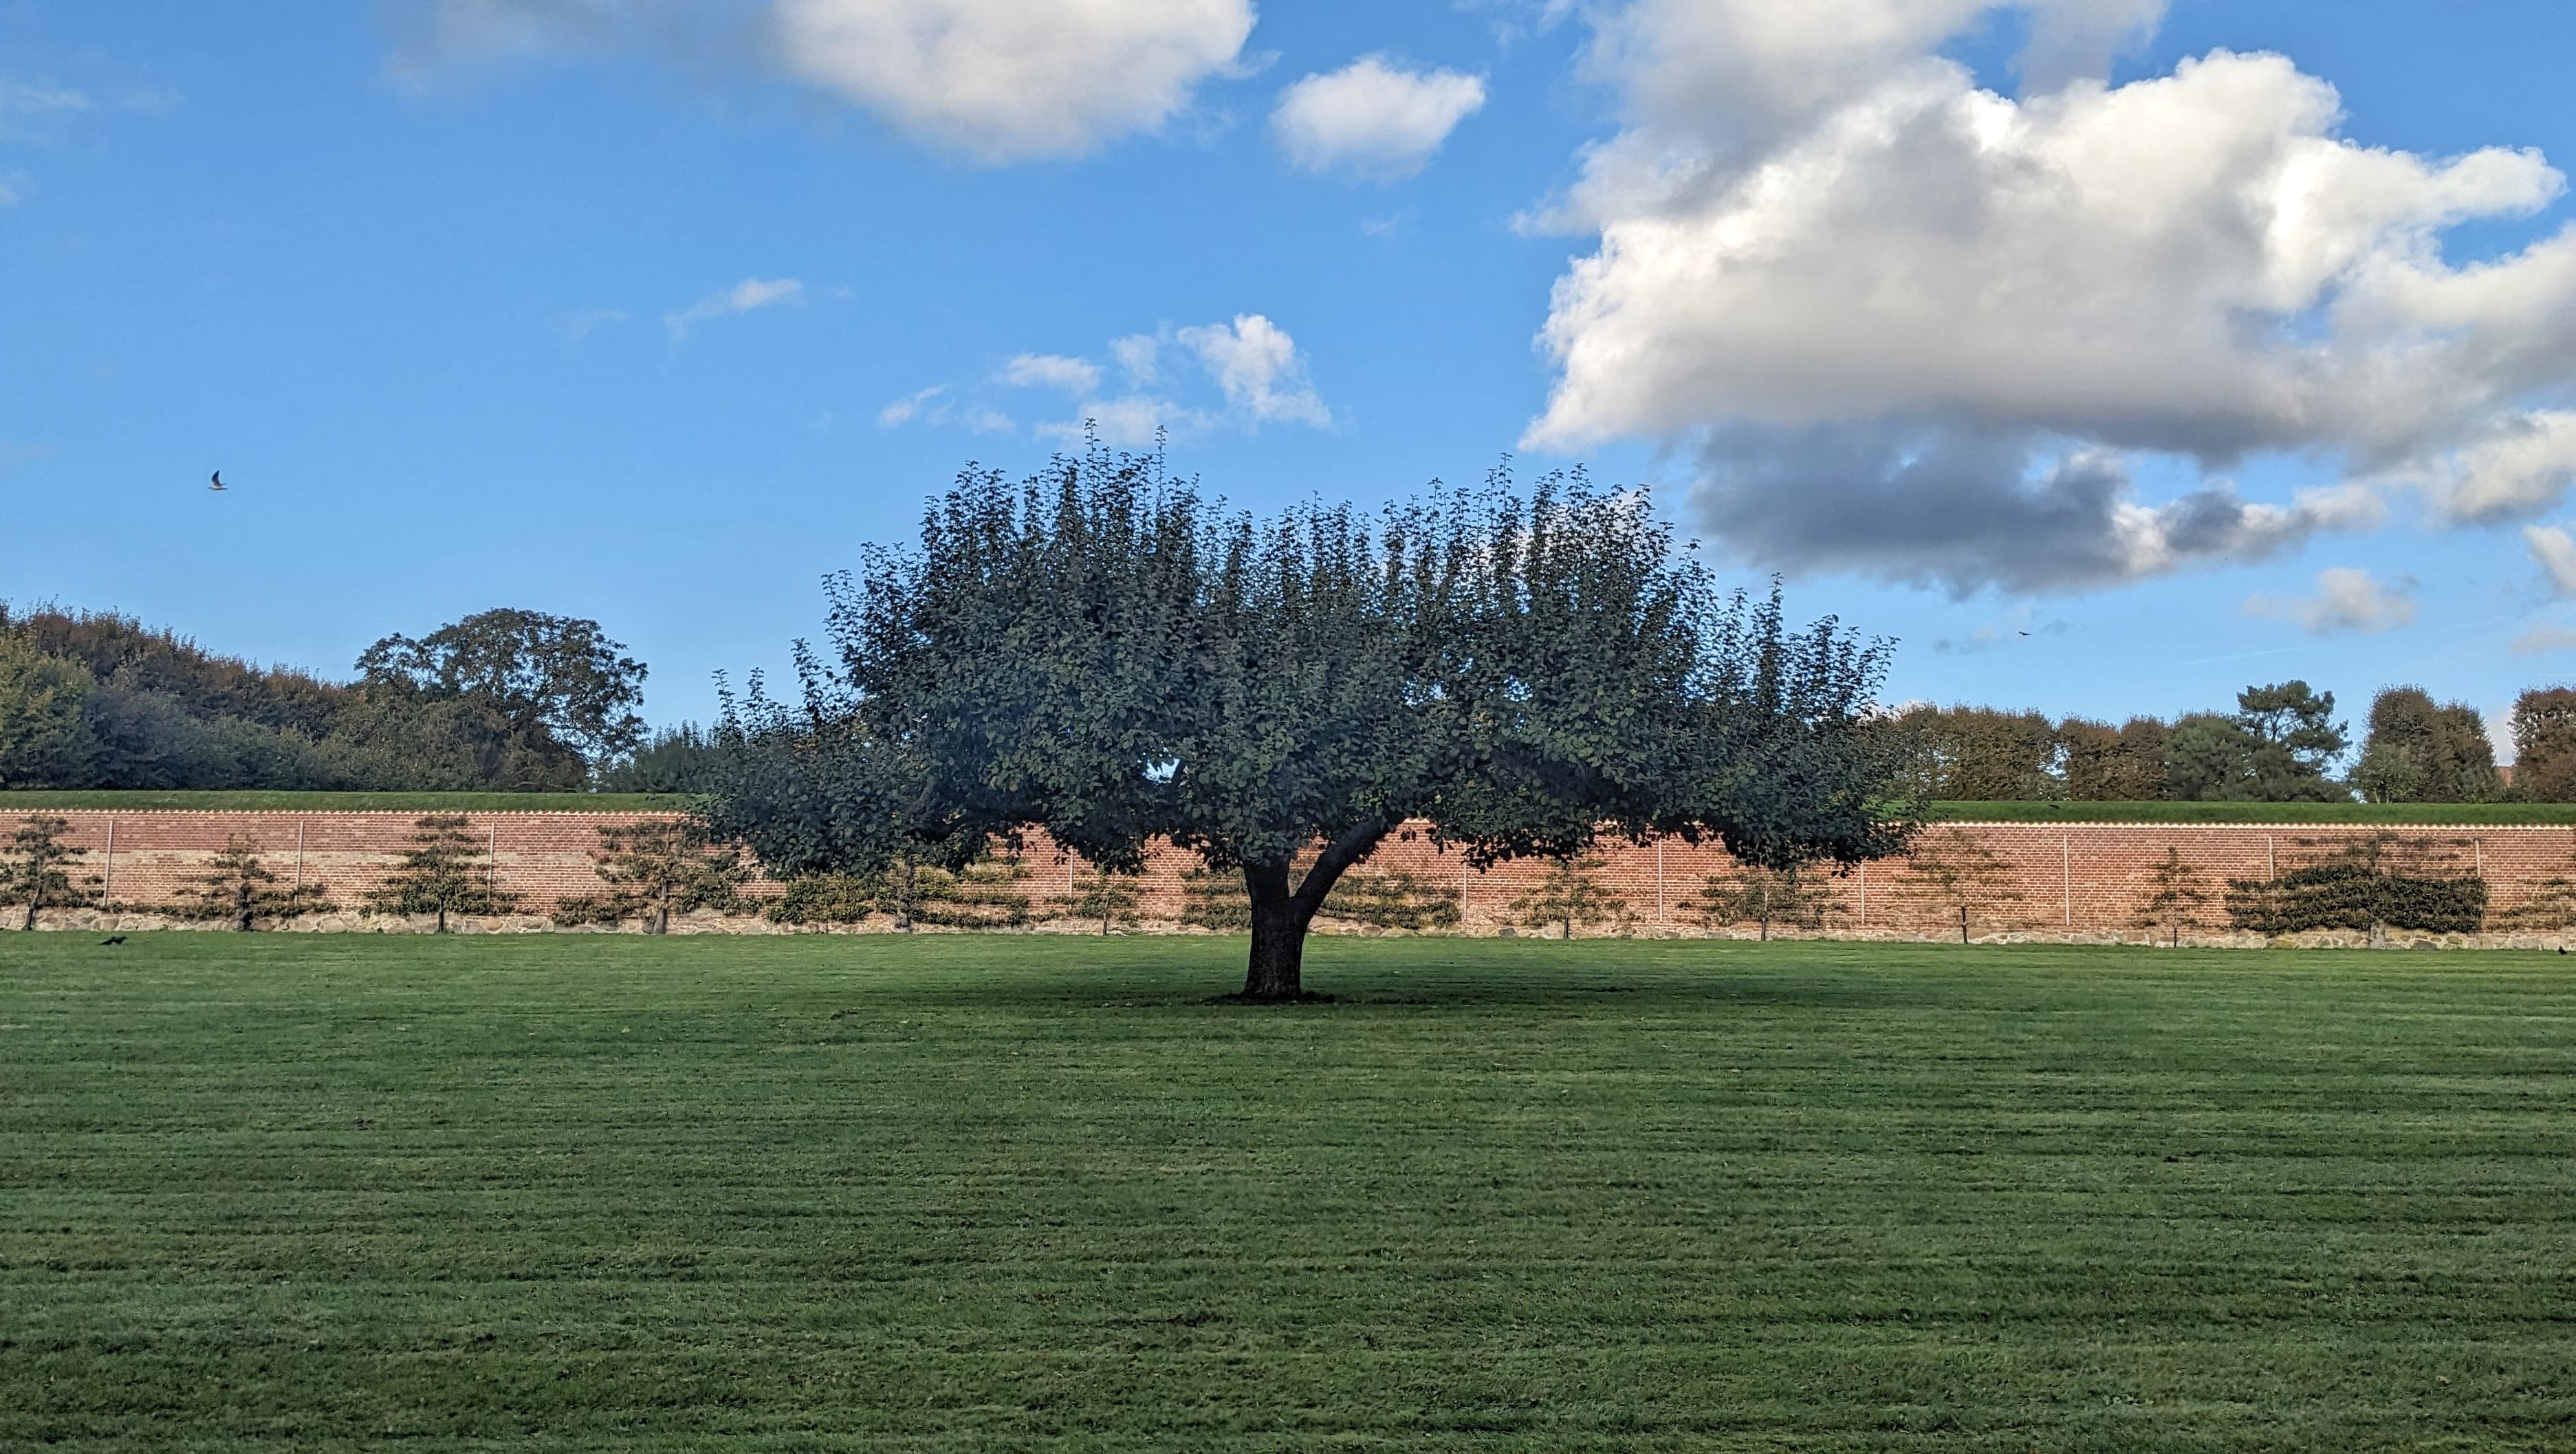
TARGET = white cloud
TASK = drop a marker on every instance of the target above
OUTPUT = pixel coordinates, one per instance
(2520, 465)
(930, 406)
(2347, 599)
(1130, 422)
(2537, 640)
(1052, 371)
(1250, 362)
(1139, 355)
(8, 194)
(2555, 552)
(1258, 366)
(749, 295)
(21, 98)
(1372, 118)
(1815, 230)
(903, 410)
(1005, 80)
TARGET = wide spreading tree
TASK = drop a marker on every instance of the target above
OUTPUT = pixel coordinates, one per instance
(1098, 652)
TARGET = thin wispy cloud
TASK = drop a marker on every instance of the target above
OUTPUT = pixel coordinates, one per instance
(748, 296)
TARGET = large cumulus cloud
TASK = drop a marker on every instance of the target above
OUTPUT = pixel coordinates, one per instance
(1917, 329)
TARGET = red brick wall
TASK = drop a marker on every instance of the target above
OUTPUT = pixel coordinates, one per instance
(2078, 881)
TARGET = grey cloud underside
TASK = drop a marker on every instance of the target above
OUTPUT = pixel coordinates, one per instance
(1962, 510)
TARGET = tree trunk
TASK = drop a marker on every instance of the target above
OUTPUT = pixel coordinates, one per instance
(1278, 967)
(1963, 923)
(241, 906)
(33, 899)
(442, 918)
(1281, 915)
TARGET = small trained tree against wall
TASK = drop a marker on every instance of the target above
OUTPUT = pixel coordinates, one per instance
(239, 887)
(36, 870)
(447, 870)
(1394, 899)
(827, 898)
(1954, 874)
(2178, 895)
(2386, 881)
(1103, 897)
(1764, 897)
(655, 869)
(1571, 895)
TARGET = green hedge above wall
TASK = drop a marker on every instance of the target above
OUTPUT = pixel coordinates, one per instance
(2393, 814)
(254, 802)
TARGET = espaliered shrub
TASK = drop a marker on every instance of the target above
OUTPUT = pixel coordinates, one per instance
(1394, 899)
(2379, 883)
(1213, 899)
(984, 895)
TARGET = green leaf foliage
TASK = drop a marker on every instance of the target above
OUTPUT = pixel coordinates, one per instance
(1394, 899)
(239, 887)
(657, 868)
(2382, 882)
(1764, 897)
(447, 870)
(35, 869)
(1571, 897)
(1100, 652)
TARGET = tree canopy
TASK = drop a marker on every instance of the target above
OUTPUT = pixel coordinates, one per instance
(1099, 652)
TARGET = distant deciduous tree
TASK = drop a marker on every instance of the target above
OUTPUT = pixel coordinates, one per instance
(1572, 895)
(237, 886)
(447, 870)
(1979, 754)
(2421, 753)
(550, 685)
(35, 871)
(2105, 764)
(2544, 744)
(45, 735)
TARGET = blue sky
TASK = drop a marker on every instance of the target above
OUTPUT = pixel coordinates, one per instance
(573, 305)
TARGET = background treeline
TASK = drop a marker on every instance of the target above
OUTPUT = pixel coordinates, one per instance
(505, 700)
(2281, 744)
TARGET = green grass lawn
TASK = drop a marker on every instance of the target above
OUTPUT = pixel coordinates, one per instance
(967, 1193)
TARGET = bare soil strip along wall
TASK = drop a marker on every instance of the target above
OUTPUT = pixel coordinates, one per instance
(2082, 882)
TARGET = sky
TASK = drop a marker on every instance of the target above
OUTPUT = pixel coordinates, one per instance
(2108, 354)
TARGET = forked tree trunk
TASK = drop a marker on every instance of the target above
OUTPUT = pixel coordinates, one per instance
(1282, 913)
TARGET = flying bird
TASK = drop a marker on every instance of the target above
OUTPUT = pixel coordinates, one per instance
(218, 481)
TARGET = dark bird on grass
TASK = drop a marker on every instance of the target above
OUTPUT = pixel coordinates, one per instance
(218, 481)
(111, 939)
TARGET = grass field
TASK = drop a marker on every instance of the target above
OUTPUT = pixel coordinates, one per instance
(248, 802)
(1036, 1193)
